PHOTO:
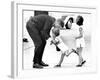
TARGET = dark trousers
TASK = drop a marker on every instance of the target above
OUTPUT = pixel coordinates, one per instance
(39, 43)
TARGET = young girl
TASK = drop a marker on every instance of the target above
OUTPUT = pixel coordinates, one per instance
(57, 40)
(80, 43)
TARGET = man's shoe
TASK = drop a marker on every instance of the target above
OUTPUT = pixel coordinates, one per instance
(36, 65)
(43, 64)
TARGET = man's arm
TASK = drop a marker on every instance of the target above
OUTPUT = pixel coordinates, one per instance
(46, 29)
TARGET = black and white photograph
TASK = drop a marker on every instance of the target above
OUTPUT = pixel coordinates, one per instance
(57, 39)
(50, 40)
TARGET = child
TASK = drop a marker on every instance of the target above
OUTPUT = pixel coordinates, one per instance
(80, 43)
(56, 40)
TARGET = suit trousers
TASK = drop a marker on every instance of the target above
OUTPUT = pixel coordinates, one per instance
(38, 41)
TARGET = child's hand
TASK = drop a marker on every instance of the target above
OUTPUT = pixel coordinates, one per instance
(51, 42)
(57, 42)
(54, 42)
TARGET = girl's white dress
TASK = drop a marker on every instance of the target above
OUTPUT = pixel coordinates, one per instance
(80, 42)
(61, 45)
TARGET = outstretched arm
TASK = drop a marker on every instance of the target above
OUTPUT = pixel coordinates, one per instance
(53, 37)
(80, 33)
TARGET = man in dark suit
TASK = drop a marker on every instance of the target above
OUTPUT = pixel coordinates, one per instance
(39, 28)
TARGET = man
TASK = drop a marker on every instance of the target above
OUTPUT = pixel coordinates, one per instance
(39, 28)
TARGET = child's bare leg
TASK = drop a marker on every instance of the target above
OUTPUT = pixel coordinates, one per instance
(61, 60)
(75, 51)
(79, 50)
(80, 55)
(68, 53)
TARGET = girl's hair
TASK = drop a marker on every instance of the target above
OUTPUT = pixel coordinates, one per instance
(80, 20)
(70, 19)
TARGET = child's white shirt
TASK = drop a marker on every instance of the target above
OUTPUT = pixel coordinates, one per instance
(80, 41)
(61, 44)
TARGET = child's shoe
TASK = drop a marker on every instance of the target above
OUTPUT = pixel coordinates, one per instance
(57, 66)
(83, 62)
(80, 65)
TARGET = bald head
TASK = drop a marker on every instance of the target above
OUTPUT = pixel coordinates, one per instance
(59, 23)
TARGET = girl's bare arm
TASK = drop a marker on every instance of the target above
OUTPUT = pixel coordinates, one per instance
(80, 33)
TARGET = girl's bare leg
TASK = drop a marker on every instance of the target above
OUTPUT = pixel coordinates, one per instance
(61, 60)
(68, 53)
(79, 51)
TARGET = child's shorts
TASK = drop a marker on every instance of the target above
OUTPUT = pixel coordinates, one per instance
(80, 43)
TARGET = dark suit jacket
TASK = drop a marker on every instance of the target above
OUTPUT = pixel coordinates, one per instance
(43, 24)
